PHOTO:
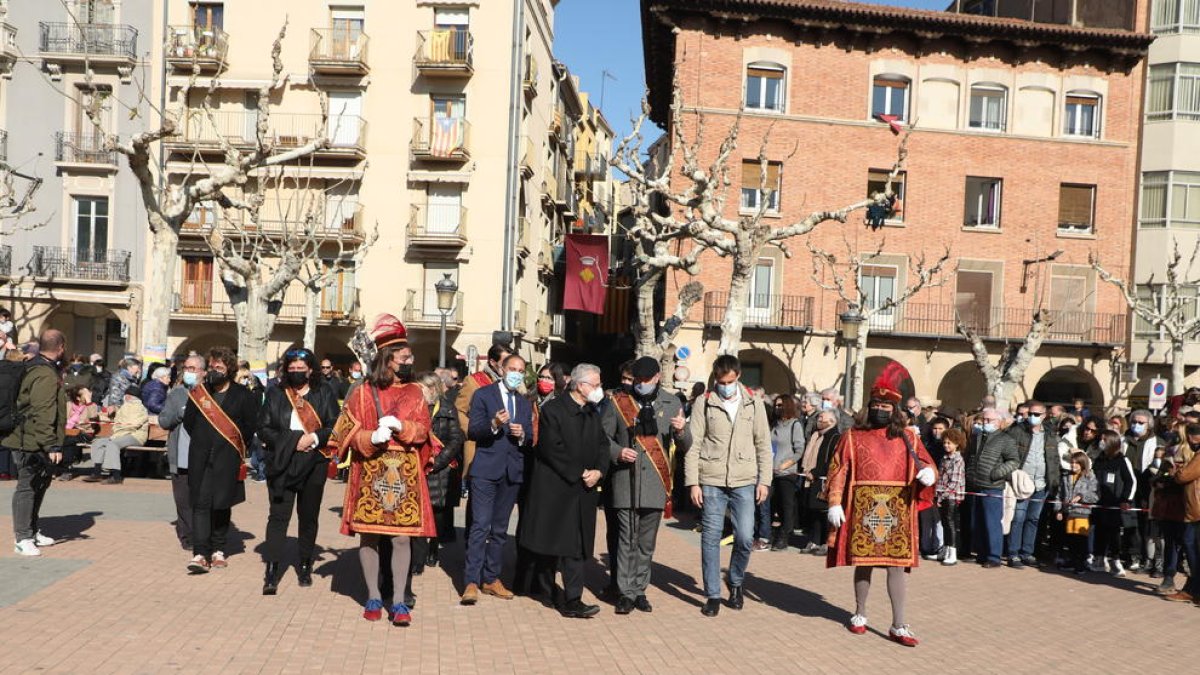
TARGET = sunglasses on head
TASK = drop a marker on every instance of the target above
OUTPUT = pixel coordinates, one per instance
(293, 354)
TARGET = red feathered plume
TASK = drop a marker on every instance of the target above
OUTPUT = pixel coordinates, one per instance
(887, 385)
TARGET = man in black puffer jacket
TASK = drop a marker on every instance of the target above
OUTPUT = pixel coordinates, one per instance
(991, 460)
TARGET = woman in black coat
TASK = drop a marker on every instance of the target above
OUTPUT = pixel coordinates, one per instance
(570, 459)
(816, 467)
(1117, 487)
(443, 480)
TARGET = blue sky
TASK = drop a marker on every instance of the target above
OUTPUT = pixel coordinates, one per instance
(593, 36)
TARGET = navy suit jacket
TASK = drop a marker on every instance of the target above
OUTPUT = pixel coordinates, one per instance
(498, 454)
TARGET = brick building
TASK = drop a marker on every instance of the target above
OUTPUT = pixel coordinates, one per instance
(1027, 145)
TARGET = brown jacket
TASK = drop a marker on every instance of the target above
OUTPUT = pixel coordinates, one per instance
(729, 452)
(1189, 477)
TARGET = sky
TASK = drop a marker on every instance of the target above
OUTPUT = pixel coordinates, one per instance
(594, 36)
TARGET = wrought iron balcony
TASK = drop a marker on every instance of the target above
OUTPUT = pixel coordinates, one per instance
(437, 226)
(333, 224)
(999, 323)
(56, 263)
(422, 312)
(529, 82)
(765, 311)
(75, 148)
(9, 53)
(208, 131)
(95, 43)
(202, 47)
(206, 301)
(338, 51)
(445, 52)
(445, 139)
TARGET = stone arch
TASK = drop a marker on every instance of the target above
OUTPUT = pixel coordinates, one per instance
(1064, 383)
(875, 365)
(91, 328)
(962, 386)
(761, 368)
(204, 342)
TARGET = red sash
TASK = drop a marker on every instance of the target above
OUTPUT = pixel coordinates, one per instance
(628, 408)
(481, 378)
(208, 406)
(304, 411)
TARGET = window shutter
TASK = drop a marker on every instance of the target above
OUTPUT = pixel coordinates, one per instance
(752, 174)
(1075, 204)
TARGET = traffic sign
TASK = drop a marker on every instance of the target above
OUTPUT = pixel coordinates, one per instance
(1158, 393)
(683, 353)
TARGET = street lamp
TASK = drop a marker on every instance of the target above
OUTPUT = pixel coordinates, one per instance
(446, 290)
(850, 321)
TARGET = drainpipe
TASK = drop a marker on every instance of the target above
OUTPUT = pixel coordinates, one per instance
(510, 195)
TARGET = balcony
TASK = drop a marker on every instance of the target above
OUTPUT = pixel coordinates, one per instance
(338, 51)
(195, 301)
(444, 139)
(8, 47)
(208, 131)
(436, 226)
(200, 47)
(529, 82)
(422, 312)
(524, 237)
(445, 53)
(55, 263)
(344, 224)
(97, 44)
(769, 312)
(529, 158)
(999, 323)
(546, 258)
(83, 150)
(558, 325)
(5, 261)
(591, 168)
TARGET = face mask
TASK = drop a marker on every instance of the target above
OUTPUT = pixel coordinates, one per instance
(1138, 428)
(879, 418)
(1034, 420)
(727, 391)
(544, 387)
(6, 327)
(404, 372)
(977, 426)
(356, 374)
(514, 380)
(1019, 419)
(826, 405)
(190, 379)
(99, 369)
(989, 428)
(296, 379)
(215, 379)
(595, 395)
(645, 388)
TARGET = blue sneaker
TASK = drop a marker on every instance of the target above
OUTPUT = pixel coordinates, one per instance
(401, 615)
(373, 611)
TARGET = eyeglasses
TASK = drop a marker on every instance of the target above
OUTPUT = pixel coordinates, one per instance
(326, 367)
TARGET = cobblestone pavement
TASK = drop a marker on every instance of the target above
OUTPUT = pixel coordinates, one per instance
(113, 597)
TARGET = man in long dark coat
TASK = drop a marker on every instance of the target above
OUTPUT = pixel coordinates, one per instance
(571, 458)
(220, 418)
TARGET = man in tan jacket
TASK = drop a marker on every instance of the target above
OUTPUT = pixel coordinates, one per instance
(1189, 477)
(729, 465)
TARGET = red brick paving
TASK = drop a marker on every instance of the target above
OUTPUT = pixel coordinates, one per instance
(134, 609)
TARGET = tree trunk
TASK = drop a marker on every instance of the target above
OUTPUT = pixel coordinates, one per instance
(1177, 367)
(312, 311)
(1002, 390)
(159, 293)
(735, 307)
(647, 338)
(255, 320)
(860, 369)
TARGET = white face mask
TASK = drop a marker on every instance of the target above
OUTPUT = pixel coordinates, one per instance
(6, 327)
(595, 395)
(826, 405)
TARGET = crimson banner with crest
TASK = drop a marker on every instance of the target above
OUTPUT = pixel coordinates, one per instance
(587, 272)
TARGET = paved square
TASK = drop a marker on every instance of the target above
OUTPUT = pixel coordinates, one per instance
(114, 598)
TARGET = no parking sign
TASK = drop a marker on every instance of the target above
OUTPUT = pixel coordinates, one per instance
(1158, 394)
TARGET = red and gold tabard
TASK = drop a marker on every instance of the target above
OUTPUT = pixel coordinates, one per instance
(873, 478)
(386, 492)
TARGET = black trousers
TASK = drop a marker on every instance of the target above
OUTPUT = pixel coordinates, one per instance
(210, 530)
(949, 513)
(612, 533)
(1108, 541)
(183, 508)
(307, 502)
(572, 574)
(784, 494)
(927, 520)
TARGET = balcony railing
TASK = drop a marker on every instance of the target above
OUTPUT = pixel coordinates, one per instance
(524, 237)
(779, 312)
(3, 145)
(8, 46)
(558, 325)
(5, 260)
(421, 314)
(286, 130)
(443, 138)
(591, 167)
(434, 225)
(204, 46)
(76, 148)
(195, 299)
(530, 81)
(79, 264)
(445, 52)
(332, 226)
(1005, 323)
(338, 50)
(103, 40)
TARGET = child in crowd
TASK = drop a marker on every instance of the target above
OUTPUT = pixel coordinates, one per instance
(1077, 494)
(950, 490)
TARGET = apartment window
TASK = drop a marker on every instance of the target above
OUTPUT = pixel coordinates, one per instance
(1182, 304)
(1175, 16)
(435, 272)
(877, 182)
(988, 105)
(94, 11)
(1076, 208)
(196, 292)
(1068, 304)
(345, 118)
(1082, 116)
(973, 298)
(758, 309)
(765, 87)
(98, 99)
(346, 28)
(337, 299)
(752, 194)
(982, 207)
(1170, 199)
(877, 283)
(1174, 92)
(91, 224)
(889, 96)
(208, 15)
(443, 209)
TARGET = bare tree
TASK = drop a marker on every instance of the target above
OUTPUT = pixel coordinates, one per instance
(702, 225)
(320, 272)
(844, 278)
(1170, 306)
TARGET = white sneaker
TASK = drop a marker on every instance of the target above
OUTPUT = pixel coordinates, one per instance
(858, 624)
(42, 540)
(951, 556)
(27, 547)
(1117, 569)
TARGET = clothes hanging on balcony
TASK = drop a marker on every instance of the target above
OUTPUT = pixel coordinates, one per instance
(441, 45)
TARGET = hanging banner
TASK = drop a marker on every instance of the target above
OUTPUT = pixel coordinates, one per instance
(587, 272)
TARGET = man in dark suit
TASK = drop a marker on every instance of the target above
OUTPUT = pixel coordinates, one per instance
(501, 424)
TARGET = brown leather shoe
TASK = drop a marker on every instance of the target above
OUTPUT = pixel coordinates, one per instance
(1179, 596)
(497, 589)
(470, 595)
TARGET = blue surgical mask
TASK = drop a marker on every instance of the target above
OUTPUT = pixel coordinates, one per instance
(989, 428)
(826, 405)
(190, 379)
(1138, 428)
(514, 380)
(1034, 420)
(727, 391)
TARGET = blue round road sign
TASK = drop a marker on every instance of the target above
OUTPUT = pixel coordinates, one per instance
(683, 353)
(1159, 388)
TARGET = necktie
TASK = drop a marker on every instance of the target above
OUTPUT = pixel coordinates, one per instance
(512, 411)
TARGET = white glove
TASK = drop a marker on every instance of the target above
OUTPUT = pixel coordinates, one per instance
(390, 422)
(925, 476)
(381, 435)
(837, 517)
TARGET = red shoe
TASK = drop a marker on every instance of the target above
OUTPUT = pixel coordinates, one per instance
(373, 611)
(401, 616)
(903, 635)
(857, 625)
